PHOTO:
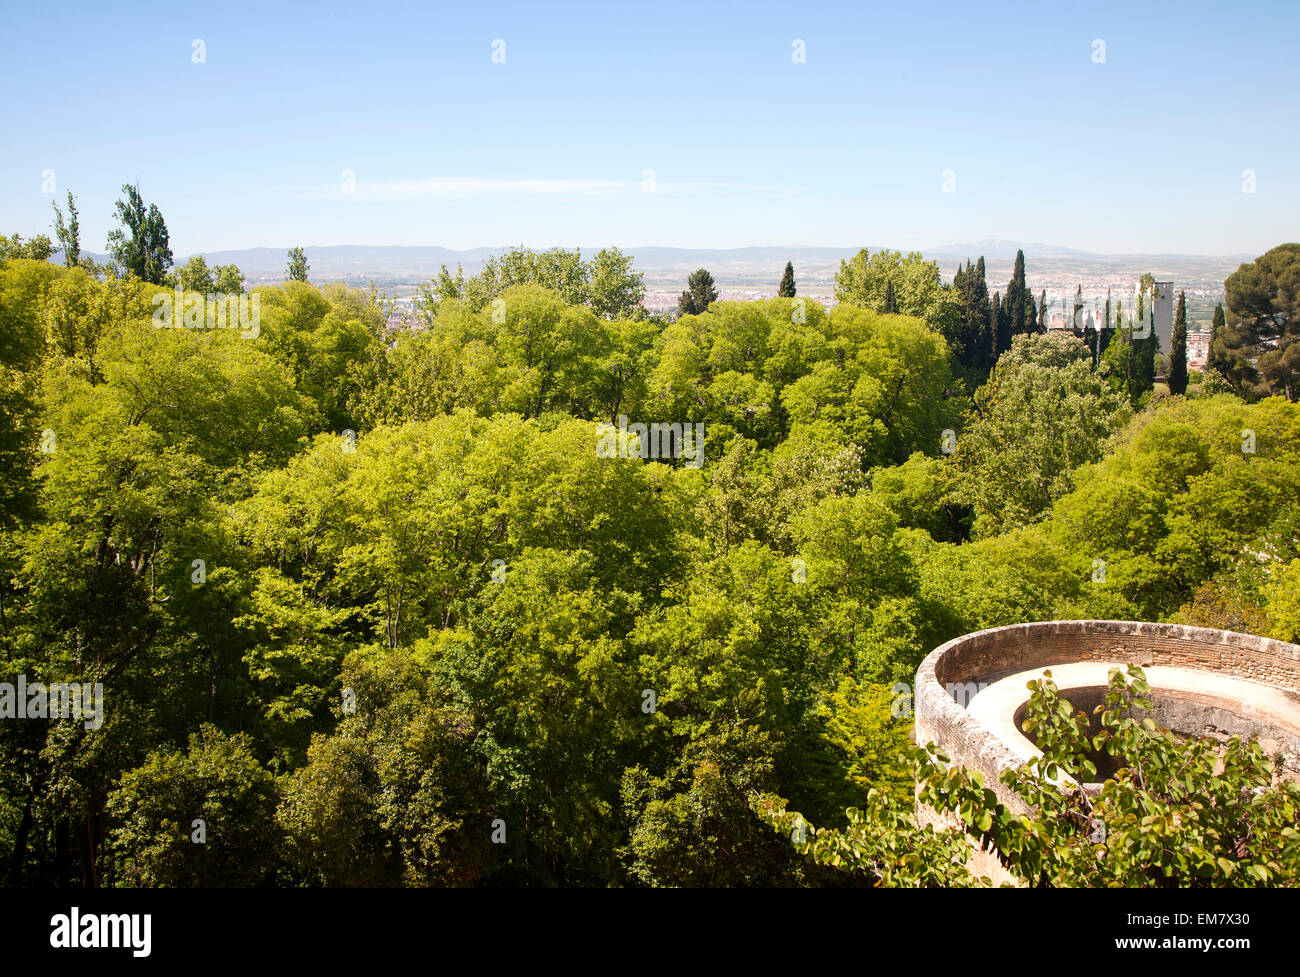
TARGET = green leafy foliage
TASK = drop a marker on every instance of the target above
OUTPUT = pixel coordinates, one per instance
(1043, 413)
(1176, 813)
(296, 269)
(140, 247)
(380, 598)
(1257, 346)
(699, 294)
(200, 817)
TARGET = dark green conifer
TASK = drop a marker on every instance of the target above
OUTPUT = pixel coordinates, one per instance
(699, 294)
(1215, 359)
(1178, 348)
(1017, 307)
(786, 288)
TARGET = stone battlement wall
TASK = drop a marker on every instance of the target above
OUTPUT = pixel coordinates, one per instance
(985, 656)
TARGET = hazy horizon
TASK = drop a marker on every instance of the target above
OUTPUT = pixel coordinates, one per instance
(974, 248)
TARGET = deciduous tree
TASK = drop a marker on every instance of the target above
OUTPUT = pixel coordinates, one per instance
(140, 246)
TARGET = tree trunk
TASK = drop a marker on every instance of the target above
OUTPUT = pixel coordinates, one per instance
(20, 841)
(62, 862)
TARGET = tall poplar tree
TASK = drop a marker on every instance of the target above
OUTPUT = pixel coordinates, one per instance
(297, 267)
(69, 232)
(140, 246)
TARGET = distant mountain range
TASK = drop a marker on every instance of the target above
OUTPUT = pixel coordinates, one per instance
(996, 248)
(421, 262)
(418, 263)
(993, 248)
(752, 271)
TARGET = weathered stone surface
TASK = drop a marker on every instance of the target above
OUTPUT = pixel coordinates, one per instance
(985, 656)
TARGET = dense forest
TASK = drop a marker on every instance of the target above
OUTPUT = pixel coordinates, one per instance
(370, 608)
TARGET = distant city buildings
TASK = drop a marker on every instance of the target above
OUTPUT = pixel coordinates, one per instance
(403, 320)
(1159, 314)
(1198, 348)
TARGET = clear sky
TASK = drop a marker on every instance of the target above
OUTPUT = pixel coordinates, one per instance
(1143, 152)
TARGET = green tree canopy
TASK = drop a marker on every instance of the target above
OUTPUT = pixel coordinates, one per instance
(296, 270)
(699, 294)
(1042, 414)
(140, 246)
(38, 248)
(69, 232)
(1148, 825)
(914, 283)
(1263, 312)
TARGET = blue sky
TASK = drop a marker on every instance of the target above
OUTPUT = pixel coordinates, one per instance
(1143, 152)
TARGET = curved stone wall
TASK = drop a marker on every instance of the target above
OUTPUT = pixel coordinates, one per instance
(956, 670)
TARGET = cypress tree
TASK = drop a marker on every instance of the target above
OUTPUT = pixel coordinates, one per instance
(1042, 311)
(1178, 348)
(1017, 306)
(1091, 331)
(1146, 352)
(1001, 332)
(1143, 355)
(984, 315)
(975, 333)
(1104, 334)
(890, 306)
(1217, 324)
(786, 288)
(965, 353)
